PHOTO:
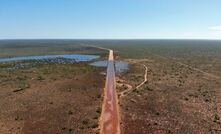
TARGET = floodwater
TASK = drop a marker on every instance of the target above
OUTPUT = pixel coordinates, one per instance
(75, 57)
(120, 66)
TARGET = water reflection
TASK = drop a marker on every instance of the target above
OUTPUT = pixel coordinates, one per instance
(76, 57)
(120, 66)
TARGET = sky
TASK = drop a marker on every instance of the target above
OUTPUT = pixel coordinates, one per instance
(110, 19)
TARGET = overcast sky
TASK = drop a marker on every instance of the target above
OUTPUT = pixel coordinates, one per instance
(110, 19)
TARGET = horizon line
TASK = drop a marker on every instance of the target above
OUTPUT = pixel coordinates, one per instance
(110, 39)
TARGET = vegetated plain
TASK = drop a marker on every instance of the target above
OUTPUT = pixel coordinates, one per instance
(181, 95)
(53, 97)
(11, 48)
(183, 89)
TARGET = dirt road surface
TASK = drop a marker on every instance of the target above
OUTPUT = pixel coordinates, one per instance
(110, 122)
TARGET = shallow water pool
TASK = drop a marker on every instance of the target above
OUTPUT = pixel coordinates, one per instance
(76, 57)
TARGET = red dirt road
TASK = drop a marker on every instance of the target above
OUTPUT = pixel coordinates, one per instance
(110, 122)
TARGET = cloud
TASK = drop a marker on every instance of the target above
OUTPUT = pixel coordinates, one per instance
(215, 28)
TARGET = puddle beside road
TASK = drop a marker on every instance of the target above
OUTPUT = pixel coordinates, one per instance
(121, 66)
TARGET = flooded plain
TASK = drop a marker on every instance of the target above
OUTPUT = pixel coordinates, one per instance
(120, 66)
(75, 57)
